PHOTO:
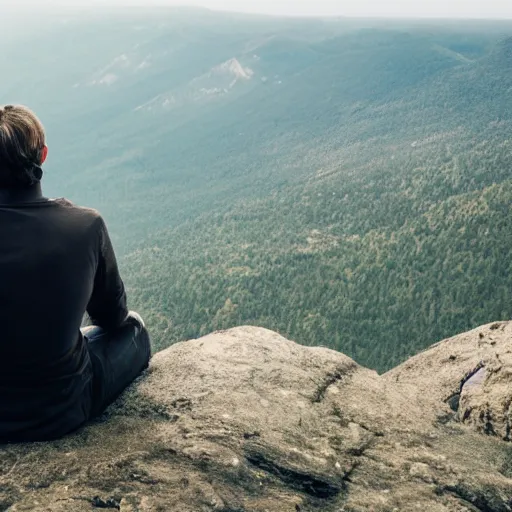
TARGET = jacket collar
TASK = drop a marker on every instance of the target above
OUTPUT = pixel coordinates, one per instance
(31, 194)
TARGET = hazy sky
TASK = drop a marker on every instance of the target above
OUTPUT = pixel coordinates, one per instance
(436, 8)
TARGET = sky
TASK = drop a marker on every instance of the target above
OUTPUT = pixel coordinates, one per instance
(388, 8)
(430, 8)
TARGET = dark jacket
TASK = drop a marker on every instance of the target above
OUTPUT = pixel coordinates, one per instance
(56, 262)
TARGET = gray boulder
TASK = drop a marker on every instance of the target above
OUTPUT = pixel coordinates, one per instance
(245, 420)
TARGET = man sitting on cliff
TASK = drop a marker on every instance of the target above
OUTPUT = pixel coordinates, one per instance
(56, 263)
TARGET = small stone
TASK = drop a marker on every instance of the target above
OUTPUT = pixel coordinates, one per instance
(109, 503)
(421, 471)
(250, 435)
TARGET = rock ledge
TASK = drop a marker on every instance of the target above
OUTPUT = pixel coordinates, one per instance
(245, 420)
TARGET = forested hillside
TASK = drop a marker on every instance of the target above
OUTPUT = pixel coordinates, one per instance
(344, 182)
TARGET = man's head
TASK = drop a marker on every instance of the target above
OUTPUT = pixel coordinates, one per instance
(22, 147)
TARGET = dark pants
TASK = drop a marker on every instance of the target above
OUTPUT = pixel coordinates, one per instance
(118, 358)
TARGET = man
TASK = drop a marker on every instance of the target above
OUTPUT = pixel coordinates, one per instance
(56, 263)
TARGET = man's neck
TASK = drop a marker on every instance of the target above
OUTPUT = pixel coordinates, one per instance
(21, 195)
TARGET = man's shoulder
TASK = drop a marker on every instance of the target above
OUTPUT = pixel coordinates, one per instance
(84, 214)
(74, 208)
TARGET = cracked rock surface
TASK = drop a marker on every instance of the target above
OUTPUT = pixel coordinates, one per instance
(245, 420)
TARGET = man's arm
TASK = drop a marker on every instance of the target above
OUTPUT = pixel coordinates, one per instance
(107, 306)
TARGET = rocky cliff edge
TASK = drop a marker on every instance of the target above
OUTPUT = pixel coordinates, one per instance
(245, 420)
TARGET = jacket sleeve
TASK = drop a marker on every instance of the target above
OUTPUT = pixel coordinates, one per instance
(107, 307)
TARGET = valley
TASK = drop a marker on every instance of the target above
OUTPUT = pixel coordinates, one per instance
(345, 183)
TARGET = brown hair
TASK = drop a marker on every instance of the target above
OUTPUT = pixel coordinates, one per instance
(22, 140)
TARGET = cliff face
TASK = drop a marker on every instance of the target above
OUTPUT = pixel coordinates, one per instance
(245, 420)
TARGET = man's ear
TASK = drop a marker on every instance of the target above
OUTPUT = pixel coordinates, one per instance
(44, 155)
